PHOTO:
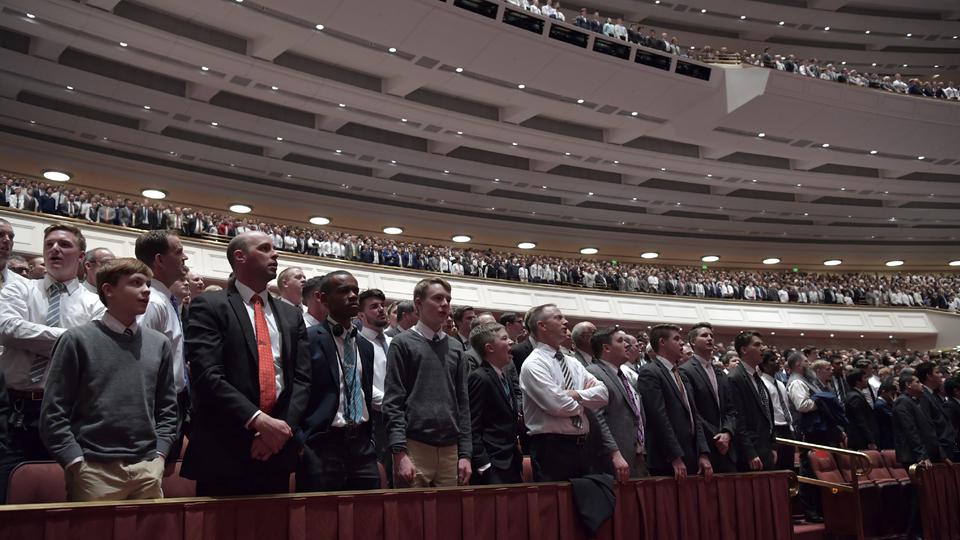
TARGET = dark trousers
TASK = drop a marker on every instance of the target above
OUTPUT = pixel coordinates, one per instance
(381, 444)
(248, 485)
(511, 474)
(338, 460)
(25, 443)
(558, 458)
(785, 453)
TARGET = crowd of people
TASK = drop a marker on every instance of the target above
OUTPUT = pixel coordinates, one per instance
(930, 290)
(111, 365)
(891, 83)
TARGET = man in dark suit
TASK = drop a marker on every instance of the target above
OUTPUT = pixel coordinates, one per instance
(862, 423)
(932, 406)
(336, 432)
(951, 408)
(494, 409)
(620, 421)
(676, 445)
(754, 438)
(838, 382)
(711, 393)
(883, 413)
(250, 370)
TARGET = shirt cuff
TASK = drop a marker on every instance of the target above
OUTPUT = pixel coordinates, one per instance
(76, 460)
(252, 418)
(484, 468)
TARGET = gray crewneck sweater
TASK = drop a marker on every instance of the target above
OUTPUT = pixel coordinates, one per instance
(109, 396)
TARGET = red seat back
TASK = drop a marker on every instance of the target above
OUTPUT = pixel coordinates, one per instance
(896, 470)
(37, 482)
(824, 467)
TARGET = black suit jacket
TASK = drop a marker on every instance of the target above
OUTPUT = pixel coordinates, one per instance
(932, 406)
(716, 418)
(325, 380)
(520, 352)
(221, 351)
(493, 416)
(862, 422)
(952, 409)
(617, 422)
(914, 435)
(669, 433)
(754, 436)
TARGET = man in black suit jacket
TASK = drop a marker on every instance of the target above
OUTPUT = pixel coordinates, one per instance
(754, 438)
(676, 445)
(621, 421)
(336, 432)
(494, 409)
(932, 406)
(951, 408)
(250, 370)
(711, 393)
(915, 436)
(862, 423)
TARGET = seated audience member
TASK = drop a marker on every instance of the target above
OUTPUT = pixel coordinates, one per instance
(714, 402)
(109, 414)
(91, 263)
(250, 372)
(931, 382)
(290, 284)
(676, 445)
(425, 398)
(621, 420)
(557, 393)
(494, 409)
(336, 433)
(782, 417)
(883, 414)
(755, 436)
(862, 426)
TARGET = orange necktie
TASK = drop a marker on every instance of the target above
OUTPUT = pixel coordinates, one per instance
(268, 381)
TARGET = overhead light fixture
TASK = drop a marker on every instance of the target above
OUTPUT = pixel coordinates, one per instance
(905, 65)
(663, 169)
(404, 120)
(566, 153)
(843, 63)
(154, 193)
(338, 151)
(123, 44)
(393, 161)
(649, 255)
(69, 87)
(461, 238)
(588, 251)
(781, 23)
(921, 157)
(279, 139)
(392, 50)
(341, 105)
(634, 113)
(909, 35)
(320, 220)
(866, 32)
(274, 88)
(873, 64)
(832, 262)
(526, 245)
(703, 11)
(589, 194)
(710, 258)
(873, 152)
(393, 230)
(954, 263)
(521, 86)
(826, 28)
(895, 262)
(580, 101)
(515, 144)
(771, 260)
(743, 17)
(214, 124)
(241, 208)
(616, 162)
(459, 133)
(825, 145)
(319, 27)
(56, 176)
(459, 70)
(204, 68)
(761, 134)
(147, 107)
(446, 171)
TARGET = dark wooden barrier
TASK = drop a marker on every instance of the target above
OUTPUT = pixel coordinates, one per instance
(939, 490)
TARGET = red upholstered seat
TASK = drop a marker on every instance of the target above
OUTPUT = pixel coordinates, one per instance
(175, 485)
(825, 468)
(37, 482)
(895, 468)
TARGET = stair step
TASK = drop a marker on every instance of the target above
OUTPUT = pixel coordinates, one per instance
(809, 531)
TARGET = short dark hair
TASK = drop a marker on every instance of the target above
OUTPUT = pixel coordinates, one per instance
(887, 385)
(326, 282)
(150, 244)
(809, 349)
(111, 272)
(951, 385)
(602, 337)
(854, 377)
(863, 363)
(768, 354)
(376, 294)
(924, 370)
(905, 380)
(404, 307)
(311, 286)
(743, 339)
(75, 231)
(692, 334)
(460, 311)
(661, 331)
(508, 318)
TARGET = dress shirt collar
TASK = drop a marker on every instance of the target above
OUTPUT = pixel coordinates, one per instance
(768, 378)
(546, 348)
(429, 334)
(70, 285)
(158, 286)
(282, 299)
(309, 320)
(246, 293)
(746, 366)
(371, 334)
(666, 363)
(113, 324)
(707, 364)
(612, 367)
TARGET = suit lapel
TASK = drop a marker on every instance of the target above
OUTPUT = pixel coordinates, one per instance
(612, 380)
(671, 382)
(249, 334)
(704, 378)
(329, 346)
(498, 385)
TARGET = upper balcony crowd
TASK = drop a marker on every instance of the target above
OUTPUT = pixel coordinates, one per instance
(930, 290)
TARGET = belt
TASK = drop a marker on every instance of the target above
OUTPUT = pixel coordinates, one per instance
(578, 440)
(349, 431)
(26, 395)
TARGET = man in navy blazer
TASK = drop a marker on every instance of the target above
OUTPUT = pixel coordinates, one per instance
(336, 432)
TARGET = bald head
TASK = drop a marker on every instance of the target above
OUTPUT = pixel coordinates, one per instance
(92, 261)
(582, 333)
(253, 259)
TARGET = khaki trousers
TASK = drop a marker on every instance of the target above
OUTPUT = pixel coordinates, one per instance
(436, 466)
(114, 480)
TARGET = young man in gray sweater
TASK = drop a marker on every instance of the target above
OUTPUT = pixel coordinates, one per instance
(109, 411)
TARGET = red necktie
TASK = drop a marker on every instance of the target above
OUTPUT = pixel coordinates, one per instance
(268, 382)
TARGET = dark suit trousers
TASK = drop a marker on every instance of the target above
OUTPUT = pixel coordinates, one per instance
(384, 455)
(785, 453)
(251, 483)
(558, 458)
(496, 475)
(339, 460)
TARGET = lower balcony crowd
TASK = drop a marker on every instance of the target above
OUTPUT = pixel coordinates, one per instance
(902, 289)
(111, 373)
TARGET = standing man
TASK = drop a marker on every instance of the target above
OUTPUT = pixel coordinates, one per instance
(373, 315)
(250, 368)
(6, 248)
(931, 381)
(316, 311)
(676, 444)
(290, 283)
(711, 393)
(621, 420)
(407, 316)
(862, 426)
(463, 316)
(425, 398)
(782, 416)
(582, 334)
(557, 393)
(755, 444)
(162, 252)
(494, 410)
(91, 263)
(336, 432)
(195, 282)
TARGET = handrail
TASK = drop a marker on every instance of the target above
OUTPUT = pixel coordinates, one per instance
(833, 450)
(824, 483)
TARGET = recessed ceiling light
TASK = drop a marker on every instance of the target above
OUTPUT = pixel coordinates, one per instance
(33, 121)
(825, 145)
(616, 162)
(663, 169)
(515, 144)
(873, 152)
(703, 11)
(341, 105)
(801, 334)
(154, 193)
(634, 113)
(954, 263)
(279, 139)
(69, 87)
(566, 153)
(31, 16)
(761, 134)
(832, 262)
(588, 251)
(634, 198)
(147, 107)
(319, 220)
(895, 262)
(445, 171)
(743, 17)
(709, 258)
(589, 194)
(403, 119)
(214, 124)
(905, 65)
(204, 68)
(393, 230)
(392, 50)
(843, 189)
(826, 28)
(241, 208)
(866, 32)
(806, 213)
(649, 255)
(393, 161)
(521, 86)
(526, 245)
(831, 335)
(338, 151)
(319, 27)
(123, 44)
(921, 157)
(459, 133)
(459, 70)
(771, 260)
(274, 88)
(909, 35)
(56, 176)
(873, 64)
(709, 175)
(461, 238)
(781, 23)
(580, 101)
(799, 185)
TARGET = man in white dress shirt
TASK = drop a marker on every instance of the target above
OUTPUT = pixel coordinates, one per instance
(6, 248)
(557, 393)
(33, 315)
(373, 315)
(91, 263)
(290, 283)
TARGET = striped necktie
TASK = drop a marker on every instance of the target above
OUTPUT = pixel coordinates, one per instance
(568, 385)
(39, 365)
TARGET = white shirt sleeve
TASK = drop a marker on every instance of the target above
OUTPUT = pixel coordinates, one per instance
(15, 329)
